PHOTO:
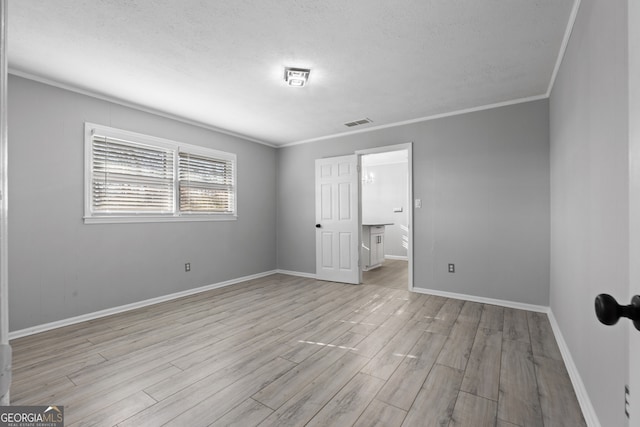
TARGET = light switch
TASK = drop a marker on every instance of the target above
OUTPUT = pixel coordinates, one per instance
(397, 210)
(418, 203)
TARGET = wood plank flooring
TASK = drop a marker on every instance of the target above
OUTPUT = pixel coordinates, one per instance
(289, 351)
(393, 273)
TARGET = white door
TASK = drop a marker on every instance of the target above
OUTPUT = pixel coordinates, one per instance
(634, 205)
(633, 399)
(337, 220)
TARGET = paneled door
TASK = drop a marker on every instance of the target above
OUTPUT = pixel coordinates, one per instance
(337, 219)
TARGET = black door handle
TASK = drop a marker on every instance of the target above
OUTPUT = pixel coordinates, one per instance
(318, 225)
(609, 311)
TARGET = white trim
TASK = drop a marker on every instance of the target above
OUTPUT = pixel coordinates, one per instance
(159, 218)
(5, 397)
(149, 110)
(4, 196)
(175, 148)
(127, 307)
(133, 105)
(397, 257)
(588, 411)
(386, 149)
(563, 46)
(546, 95)
(561, 52)
(397, 162)
(397, 147)
(421, 119)
(473, 298)
(581, 393)
(483, 300)
(297, 274)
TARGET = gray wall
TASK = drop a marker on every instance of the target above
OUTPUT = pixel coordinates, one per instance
(380, 198)
(483, 178)
(59, 267)
(589, 199)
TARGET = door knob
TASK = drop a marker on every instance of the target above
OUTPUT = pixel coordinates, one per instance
(318, 225)
(609, 311)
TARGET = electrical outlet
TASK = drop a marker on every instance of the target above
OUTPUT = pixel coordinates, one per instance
(452, 268)
(187, 267)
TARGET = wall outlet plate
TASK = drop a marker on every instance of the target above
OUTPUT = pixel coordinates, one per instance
(452, 268)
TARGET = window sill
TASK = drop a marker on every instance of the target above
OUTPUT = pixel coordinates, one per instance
(142, 219)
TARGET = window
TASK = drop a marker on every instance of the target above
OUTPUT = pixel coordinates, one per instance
(205, 184)
(131, 177)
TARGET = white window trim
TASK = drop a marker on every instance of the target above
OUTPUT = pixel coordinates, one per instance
(89, 218)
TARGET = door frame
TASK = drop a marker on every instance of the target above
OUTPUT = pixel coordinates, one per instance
(397, 147)
(633, 399)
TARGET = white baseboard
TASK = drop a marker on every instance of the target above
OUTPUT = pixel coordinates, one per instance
(492, 301)
(120, 309)
(398, 257)
(297, 273)
(588, 410)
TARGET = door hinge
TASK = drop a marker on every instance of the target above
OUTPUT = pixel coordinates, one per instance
(626, 401)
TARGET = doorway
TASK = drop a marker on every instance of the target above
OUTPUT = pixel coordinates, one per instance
(386, 216)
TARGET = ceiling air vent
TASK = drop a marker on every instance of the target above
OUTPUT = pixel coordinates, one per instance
(358, 122)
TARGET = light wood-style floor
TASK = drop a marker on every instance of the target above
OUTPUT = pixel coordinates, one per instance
(289, 351)
(392, 273)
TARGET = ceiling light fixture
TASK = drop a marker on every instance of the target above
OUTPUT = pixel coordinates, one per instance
(296, 77)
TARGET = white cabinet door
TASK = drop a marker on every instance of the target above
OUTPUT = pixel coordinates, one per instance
(365, 253)
(337, 224)
(379, 239)
(375, 249)
(372, 246)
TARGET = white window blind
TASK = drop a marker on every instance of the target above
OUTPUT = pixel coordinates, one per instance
(205, 184)
(131, 177)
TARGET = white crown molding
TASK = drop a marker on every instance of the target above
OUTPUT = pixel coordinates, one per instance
(421, 119)
(563, 46)
(546, 95)
(135, 106)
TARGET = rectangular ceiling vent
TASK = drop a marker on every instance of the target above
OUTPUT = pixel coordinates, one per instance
(358, 122)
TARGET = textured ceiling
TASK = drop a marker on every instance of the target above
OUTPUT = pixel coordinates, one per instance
(220, 63)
